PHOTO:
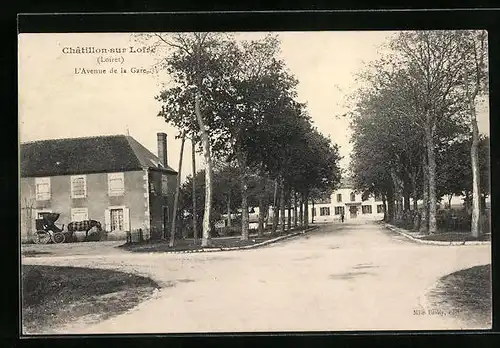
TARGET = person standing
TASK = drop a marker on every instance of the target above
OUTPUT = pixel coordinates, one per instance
(342, 217)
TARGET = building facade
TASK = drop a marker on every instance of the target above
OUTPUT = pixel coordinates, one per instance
(112, 179)
(346, 201)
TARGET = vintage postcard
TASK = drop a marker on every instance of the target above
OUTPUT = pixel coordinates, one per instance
(254, 182)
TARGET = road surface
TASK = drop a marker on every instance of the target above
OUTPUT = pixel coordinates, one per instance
(350, 276)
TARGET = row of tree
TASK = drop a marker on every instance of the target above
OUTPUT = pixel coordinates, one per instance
(237, 102)
(415, 132)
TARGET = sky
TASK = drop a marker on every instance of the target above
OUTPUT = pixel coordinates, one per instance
(56, 100)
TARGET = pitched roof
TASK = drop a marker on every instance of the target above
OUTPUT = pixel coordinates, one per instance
(114, 153)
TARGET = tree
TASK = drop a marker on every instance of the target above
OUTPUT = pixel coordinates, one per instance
(417, 92)
(253, 88)
(474, 78)
(193, 158)
(176, 196)
(433, 63)
(194, 67)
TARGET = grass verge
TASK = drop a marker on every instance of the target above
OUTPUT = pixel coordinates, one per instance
(189, 245)
(54, 296)
(467, 293)
(455, 237)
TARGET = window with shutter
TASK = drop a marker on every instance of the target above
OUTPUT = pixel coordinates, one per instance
(117, 219)
(107, 220)
(42, 189)
(78, 186)
(164, 185)
(116, 184)
(79, 214)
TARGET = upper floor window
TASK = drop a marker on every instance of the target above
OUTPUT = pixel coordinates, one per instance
(116, 184)
(164, 185)
(42, 189)
(353, 196)
(339, 197)
(78, 186)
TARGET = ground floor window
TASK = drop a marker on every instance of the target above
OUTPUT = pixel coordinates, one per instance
(366, 209)
(339, 210)
(79, 214)
(117, 219)
(323, 211)
(380, 208)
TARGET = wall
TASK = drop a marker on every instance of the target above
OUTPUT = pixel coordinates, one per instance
(97, 200)
(157, 200)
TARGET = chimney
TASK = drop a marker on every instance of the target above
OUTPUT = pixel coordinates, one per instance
(162, 149)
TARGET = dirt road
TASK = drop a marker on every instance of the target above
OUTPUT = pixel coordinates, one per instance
(351, 276)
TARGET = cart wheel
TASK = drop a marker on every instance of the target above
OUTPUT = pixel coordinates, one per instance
(58, 238)
(41, 237)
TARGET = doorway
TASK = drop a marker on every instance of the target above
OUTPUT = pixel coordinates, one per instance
(353, 210)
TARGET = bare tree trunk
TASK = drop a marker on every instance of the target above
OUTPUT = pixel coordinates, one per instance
(176, 197)
(414, 190)
(275, 210)
(244, 194)
(244, 209)
(312, 212)
(289, 222)
(306, 210)
(390, 205)
(301, 211)
(424, 224)
(384, 206)
(431, 162)
(295, 220)
(261, 216)
(406, 204)
(208, 173)
(229, 209)
(195, 217)
(282, 206)
(476, 187)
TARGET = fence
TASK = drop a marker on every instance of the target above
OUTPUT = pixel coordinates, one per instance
(446, 221)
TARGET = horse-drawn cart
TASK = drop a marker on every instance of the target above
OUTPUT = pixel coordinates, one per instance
(48, 232)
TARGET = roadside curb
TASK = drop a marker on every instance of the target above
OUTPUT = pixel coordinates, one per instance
(431, 242)
(246, 247)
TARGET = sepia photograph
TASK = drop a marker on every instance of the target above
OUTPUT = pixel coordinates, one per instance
(230, 182)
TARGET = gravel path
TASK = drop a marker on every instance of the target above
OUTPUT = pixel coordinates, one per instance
(351, 276)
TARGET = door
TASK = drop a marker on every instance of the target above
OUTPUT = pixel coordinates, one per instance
(117, 220)
(353, 210)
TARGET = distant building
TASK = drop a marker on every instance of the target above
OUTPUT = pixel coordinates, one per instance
(111, 179)
(346, 201)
